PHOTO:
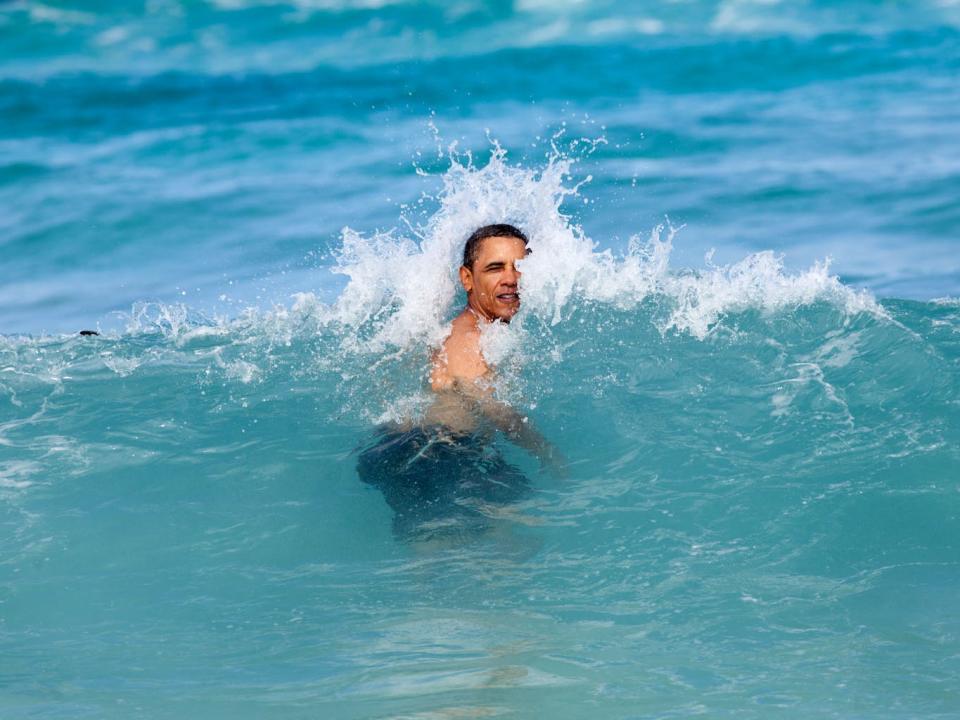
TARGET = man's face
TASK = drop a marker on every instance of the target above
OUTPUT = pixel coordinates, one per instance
(491, 283)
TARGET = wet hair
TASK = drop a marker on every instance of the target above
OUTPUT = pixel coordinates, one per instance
(472, 246)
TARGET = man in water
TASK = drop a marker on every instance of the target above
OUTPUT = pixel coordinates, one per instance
(491, 278)
(460, 376)
(445, 476)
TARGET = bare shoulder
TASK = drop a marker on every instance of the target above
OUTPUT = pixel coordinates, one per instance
(459, 358)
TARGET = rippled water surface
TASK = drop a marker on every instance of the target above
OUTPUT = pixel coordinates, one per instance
(739, 328)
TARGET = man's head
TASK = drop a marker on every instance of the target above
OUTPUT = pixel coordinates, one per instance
(489, 273)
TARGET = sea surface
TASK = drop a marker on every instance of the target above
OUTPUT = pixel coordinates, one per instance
(739, 331)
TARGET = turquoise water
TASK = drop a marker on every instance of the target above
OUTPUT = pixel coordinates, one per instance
(259, 206)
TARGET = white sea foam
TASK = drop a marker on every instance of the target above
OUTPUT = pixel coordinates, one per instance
(48, 14)
(402, 289)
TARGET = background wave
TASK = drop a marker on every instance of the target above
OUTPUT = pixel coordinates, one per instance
(172, 151)
(264, 35)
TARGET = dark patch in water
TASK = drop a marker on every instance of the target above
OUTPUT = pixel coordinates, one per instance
(439, 485)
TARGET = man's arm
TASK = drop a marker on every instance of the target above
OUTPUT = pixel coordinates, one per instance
(518, 429)
(459, 367)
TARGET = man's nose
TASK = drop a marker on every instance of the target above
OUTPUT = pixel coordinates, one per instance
(510, 276)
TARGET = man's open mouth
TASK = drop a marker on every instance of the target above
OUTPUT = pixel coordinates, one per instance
(509, 297)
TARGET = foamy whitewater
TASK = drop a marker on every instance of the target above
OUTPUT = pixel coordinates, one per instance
(739, 330)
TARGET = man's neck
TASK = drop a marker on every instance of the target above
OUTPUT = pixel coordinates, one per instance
(479, 317)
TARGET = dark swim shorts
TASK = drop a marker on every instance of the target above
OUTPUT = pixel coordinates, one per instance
(439, 484)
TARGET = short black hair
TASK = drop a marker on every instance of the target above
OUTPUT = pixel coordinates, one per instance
(472, 245)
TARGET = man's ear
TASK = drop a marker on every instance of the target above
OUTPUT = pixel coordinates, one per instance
(466, 278)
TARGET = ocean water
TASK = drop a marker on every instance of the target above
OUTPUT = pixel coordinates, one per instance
(740, 328)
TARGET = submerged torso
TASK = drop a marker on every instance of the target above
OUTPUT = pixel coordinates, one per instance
(456, 412)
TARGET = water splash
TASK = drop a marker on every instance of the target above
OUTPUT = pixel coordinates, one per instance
(402, 289)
